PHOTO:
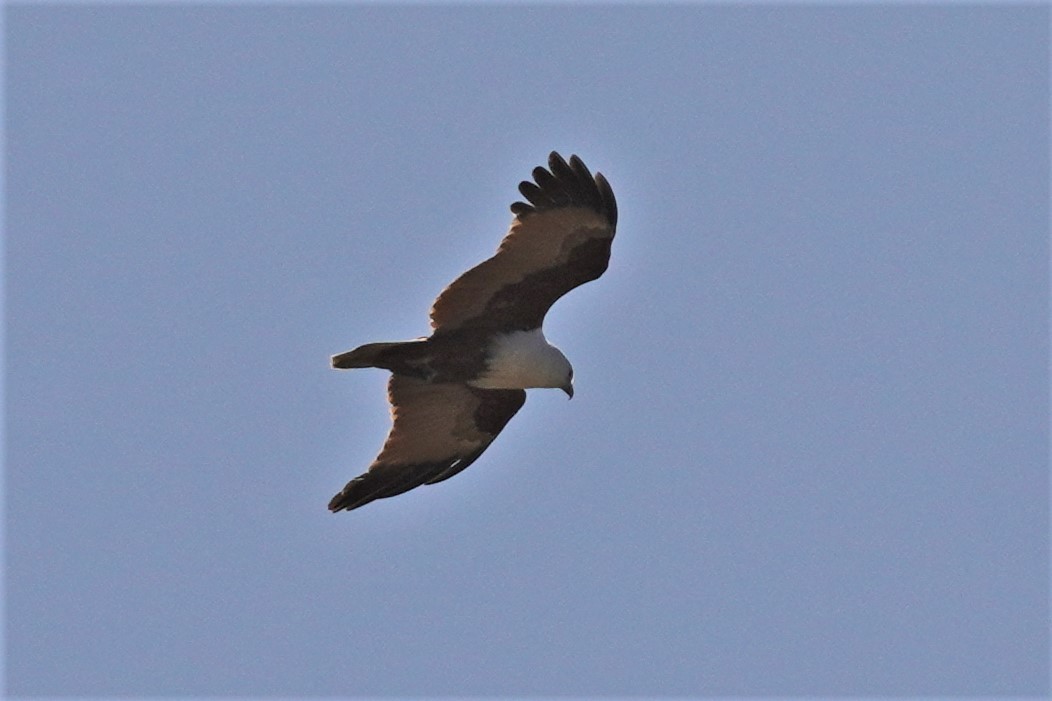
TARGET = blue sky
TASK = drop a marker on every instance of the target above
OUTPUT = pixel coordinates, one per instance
(808, 452)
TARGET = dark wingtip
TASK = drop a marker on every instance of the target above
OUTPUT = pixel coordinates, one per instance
(566, 184)
(348, 499)
(394, 479)
(607, 194)
(365, 488)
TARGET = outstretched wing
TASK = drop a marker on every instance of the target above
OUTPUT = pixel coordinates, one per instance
(438, 430)
(560, 240)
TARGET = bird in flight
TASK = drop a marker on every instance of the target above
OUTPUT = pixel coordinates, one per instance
(453, 392)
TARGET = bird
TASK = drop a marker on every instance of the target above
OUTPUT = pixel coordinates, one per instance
(453, 392)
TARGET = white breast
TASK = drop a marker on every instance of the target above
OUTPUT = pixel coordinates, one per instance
(524, 359)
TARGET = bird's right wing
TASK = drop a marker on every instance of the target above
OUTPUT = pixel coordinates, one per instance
(437, 431)
(560, 240)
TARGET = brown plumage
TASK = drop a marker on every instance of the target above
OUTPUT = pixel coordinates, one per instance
(452, 393)
(438, 429)
(559, 241)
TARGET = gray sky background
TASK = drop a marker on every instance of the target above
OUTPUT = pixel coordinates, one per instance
(808, 453)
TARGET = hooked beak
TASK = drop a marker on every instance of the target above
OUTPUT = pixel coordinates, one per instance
(568, 388)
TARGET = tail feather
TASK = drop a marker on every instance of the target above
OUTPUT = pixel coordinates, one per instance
(368, 356)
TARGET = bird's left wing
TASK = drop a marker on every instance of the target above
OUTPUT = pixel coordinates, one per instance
(437, 431)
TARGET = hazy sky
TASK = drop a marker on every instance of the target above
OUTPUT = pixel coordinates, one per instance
(808, 452)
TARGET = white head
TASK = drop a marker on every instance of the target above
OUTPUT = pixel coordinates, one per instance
(524, 360)
(557, 371)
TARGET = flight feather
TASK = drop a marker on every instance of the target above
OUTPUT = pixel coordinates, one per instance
(560, 240)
